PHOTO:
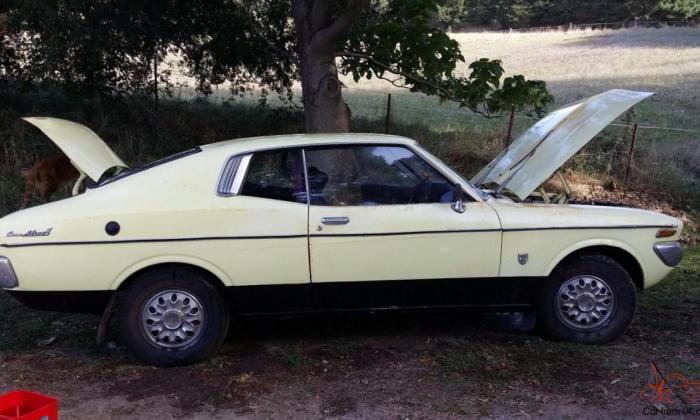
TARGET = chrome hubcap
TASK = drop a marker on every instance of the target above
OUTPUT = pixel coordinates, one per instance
(584, 302)
(172, 319)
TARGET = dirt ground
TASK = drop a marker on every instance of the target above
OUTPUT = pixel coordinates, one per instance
(419, 365)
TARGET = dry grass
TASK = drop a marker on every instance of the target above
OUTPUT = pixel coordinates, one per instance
(628, 58)
(577, 64)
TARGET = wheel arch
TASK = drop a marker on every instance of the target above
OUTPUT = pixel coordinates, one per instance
(623, 255)
(210, 271)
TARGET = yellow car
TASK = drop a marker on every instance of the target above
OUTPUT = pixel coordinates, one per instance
(332, 222)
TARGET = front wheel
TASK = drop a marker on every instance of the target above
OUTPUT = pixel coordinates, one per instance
(590, 299)
(172, 316)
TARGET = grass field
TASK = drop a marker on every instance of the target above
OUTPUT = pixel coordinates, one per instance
(578, 64)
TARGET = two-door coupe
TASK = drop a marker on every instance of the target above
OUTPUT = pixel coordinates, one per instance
(332, 222)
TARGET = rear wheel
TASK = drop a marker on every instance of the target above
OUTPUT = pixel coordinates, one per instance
(172, 316)
(590, 299)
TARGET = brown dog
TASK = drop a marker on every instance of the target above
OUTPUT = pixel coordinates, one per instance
(47, 176)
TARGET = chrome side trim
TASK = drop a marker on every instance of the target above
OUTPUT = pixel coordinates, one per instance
(306, 180)
(8, 278)
(240, 174)
(154, 240)
(313, 235)
(588, 227)
(669, 252)
(227, 175)
(232, 175)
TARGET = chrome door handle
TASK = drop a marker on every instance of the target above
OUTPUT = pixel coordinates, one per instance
(335, 220)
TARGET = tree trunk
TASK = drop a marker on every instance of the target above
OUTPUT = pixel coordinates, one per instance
(317, 32)
(324, 108)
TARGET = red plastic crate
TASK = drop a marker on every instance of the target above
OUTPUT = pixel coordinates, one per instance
(27, 405)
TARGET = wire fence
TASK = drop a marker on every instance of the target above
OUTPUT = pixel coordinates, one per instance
(389, 110)
(405, 108)
(636, 23)
(417, 108)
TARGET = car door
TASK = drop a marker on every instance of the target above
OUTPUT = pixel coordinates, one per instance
(383, 233)
(269, 213)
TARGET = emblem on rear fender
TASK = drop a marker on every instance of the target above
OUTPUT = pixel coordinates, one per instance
(29, 234)
(522, 258)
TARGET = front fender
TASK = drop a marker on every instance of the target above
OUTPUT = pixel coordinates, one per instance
(614, 243)
(537, 253)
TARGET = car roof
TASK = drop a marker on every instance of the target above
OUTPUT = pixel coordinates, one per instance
(251, 144)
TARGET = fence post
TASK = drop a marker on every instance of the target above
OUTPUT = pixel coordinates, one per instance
(629, 156)
(155, 80)
(388, 113)
(510, 126)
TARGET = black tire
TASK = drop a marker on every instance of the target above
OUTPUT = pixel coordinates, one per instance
(557, 323)
(211, 324)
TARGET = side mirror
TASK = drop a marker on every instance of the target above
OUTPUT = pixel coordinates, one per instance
(458, 197)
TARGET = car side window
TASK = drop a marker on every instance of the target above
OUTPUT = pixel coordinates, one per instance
(277, 175)
(373, 175)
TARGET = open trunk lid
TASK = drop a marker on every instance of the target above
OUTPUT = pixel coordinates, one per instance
(86, 150)
(537, 153)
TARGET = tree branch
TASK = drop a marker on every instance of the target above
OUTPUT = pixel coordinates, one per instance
(319, 15)
(299, 15)
(329, 34)
(415, 80)
(255, 28)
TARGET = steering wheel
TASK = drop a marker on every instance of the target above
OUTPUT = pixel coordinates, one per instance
(425, 181)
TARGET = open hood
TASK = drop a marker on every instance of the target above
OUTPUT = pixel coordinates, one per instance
(537, 153)
(83, 147)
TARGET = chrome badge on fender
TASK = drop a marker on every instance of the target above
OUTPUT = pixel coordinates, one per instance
(30, 233)
(522, 259)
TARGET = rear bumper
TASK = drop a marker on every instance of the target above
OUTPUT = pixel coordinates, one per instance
(669, 252)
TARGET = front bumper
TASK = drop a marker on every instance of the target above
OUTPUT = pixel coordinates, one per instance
(669, 252)
(8, 278)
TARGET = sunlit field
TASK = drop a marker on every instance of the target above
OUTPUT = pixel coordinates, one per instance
(575, 64)
(581, 63)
